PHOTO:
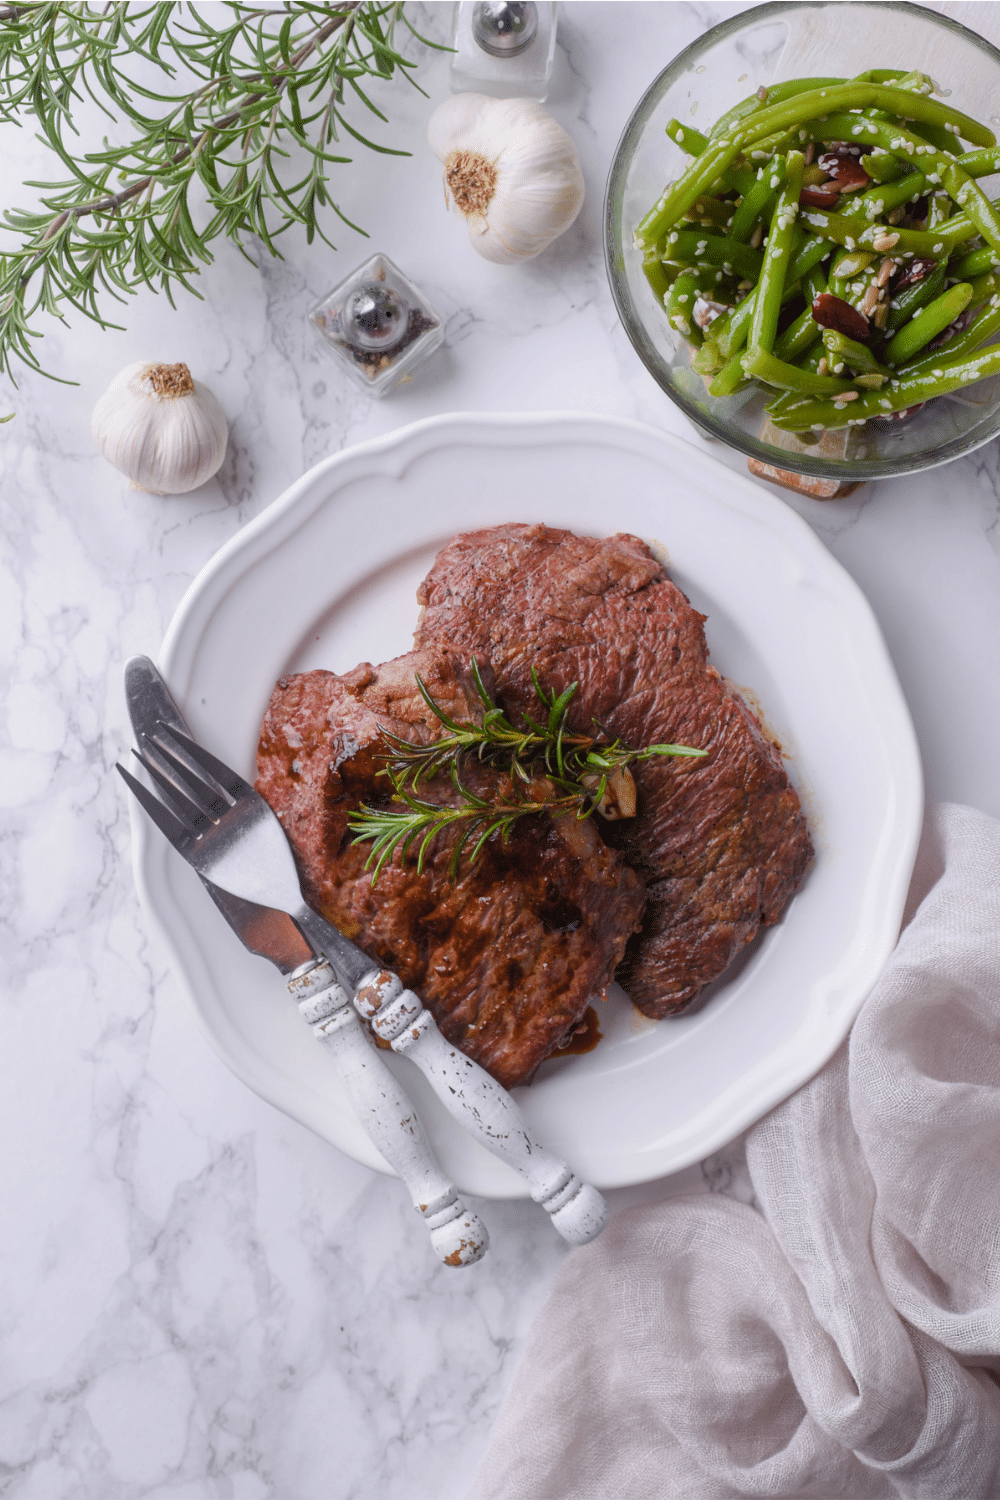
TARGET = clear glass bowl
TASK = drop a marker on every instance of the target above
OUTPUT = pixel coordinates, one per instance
(762, 46)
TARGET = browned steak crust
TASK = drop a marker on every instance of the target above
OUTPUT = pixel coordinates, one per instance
(721, 843)
(508, 957)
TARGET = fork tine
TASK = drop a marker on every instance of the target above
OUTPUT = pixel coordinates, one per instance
(166, 822)
(228, 779)
(201, 789)
(177, 795)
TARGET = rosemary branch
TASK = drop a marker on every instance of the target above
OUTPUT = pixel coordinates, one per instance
(543, 754)
(263, 104)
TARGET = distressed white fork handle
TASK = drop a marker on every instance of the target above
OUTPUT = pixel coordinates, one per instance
(458, 1236)
(480, 1105)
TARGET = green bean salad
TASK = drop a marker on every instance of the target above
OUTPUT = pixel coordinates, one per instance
(830, 242)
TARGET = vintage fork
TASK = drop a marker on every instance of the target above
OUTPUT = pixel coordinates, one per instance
(383, 1109)
(233, 838)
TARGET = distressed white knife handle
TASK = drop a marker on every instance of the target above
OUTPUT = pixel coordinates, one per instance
(388, 1118)
(480, 1105)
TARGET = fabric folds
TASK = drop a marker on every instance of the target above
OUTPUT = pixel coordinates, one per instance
(842, 1337)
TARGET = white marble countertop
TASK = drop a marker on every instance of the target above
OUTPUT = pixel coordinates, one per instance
(200, 1298)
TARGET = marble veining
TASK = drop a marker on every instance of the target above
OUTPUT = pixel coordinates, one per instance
(200, 1298)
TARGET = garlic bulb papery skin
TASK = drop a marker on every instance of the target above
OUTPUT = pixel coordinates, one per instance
(164, 430)
(510, 169)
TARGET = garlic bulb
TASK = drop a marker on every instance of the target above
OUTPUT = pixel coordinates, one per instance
(164, 430)
(510, 169)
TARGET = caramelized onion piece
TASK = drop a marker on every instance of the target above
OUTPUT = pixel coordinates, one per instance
(844, 166)
(823, 196)
(833, 312)
(915, 271)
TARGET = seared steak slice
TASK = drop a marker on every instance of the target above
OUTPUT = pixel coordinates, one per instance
(721, 843)
(507, 957)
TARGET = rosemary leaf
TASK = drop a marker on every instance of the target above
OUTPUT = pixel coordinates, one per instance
(577, 768)
(254, 83)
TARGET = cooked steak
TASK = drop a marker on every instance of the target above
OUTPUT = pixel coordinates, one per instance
(721, 843)
(508, 956)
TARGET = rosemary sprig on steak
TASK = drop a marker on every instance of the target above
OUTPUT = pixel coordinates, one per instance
(551, 770)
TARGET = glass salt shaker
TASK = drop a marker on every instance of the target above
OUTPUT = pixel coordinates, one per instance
(377, 325)
(504, 48)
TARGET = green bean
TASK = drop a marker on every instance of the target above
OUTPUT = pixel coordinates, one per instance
(776, 93)
(657, 275)
(844, 230)
(811, 359)
(936, 136)
(880, 75)
(713, 250)
(856, 289)
(690, 140)
(927, 323)
(984, 286)
(800, 336)
(907, 390)
(884, 167)
(842, 351)
(814, 250)
(786, 377)
(938, 211)
(982, 163)
(731, 330)
(973, 264)
(797, 337)
(874, 202)
(771, 281)
(787, 401)
(758, 201)
(707, 360)
(723, 152)
(730, 378)
(913, 297)
(710, 213)
(850, 263)
(979, 330)
(679, 304)
(852, 96)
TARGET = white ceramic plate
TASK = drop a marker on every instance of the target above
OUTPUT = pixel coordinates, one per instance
(326, 577)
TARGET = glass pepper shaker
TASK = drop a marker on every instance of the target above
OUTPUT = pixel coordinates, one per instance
(377, 325)
(504, 48)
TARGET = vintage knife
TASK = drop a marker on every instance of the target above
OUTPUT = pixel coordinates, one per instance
(471, 1096)
(388, 1117)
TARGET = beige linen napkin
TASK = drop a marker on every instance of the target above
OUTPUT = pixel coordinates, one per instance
(842, 1339)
